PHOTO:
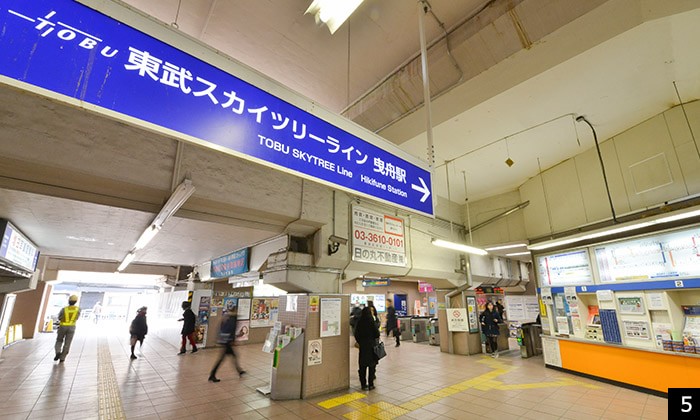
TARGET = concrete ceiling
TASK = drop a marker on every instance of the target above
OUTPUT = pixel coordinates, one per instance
(615, 64)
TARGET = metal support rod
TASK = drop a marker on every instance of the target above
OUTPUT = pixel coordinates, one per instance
(424, 8)
(602, 166)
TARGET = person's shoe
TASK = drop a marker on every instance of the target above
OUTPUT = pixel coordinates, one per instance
(495, 356)
(397, 344)
(195, 350)
(182, 351)
(371, 387)
(365, 387)
(241, 373)
(133, 357)
(214, 379)
(58, 356)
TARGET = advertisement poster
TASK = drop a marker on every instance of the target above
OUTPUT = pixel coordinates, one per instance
(571, 299)
(313, 305)
(264, 312)
(377, 238)
(432, 305)
(230, 303)
(203, 310)
(471, 314)
(199, 333)
(546, 295)
(242, 330)
(217, 301)
(314, 354)
(636, 329)
(552, 354)
(631, 305)
(330, 317)
(243, 309)
(379, 301)
(457, 319)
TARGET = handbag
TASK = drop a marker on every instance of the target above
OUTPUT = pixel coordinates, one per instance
(379, 350)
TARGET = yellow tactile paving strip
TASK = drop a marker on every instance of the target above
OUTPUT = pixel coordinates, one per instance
(386, 411)
(110, 402)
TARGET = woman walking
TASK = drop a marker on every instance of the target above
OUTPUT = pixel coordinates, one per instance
(366, 335)
(138, 330)
(490, 319)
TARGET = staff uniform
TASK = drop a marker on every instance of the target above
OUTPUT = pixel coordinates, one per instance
(67, 317)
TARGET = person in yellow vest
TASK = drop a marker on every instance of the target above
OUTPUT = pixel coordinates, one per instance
(67, 317)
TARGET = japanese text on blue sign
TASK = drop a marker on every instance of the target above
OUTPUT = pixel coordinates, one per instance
(70, 49)
(230, 265)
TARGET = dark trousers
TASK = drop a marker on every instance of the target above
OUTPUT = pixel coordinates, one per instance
(185, 337)
(228, 349)
(363, 375)
(493, 343)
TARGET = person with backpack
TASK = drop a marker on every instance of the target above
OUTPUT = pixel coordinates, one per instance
(138, 330)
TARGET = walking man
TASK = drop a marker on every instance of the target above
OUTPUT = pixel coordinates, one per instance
(392, 322)
(67, 317)
(227, 337)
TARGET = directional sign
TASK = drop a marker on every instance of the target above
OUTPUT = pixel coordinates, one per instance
(87, 57)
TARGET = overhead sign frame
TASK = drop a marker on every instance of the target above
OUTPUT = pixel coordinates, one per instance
(111, 60)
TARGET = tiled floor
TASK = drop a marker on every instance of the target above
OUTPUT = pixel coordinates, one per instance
(415, 381)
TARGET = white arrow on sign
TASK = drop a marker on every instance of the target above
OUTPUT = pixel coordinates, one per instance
(424, 189)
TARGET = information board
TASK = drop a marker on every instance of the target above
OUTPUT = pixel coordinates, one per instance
(87, 57)
(377, 238)
(666, 255)
(565, 269)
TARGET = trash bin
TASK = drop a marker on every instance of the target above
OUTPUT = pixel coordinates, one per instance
(434, 332)
(529, 339)
(405, 328)
(419, 329)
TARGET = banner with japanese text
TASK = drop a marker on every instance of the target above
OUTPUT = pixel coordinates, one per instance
(377, 238)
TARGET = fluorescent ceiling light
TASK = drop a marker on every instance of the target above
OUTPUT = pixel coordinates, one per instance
(515, 254)
(127, 260)
(176, 200)
(650, 221)
(496, 248)
(146, 237)
(679, 216)
(458, 247)
(333, 12)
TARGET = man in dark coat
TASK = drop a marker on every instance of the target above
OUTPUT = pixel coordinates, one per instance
(366, 335)
(227, 337)
(187, 328)
(392, 322)
(138, 330)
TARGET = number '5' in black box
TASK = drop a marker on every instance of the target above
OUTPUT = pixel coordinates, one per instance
(683, 403)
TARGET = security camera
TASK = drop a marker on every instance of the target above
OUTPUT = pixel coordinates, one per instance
(338, 240)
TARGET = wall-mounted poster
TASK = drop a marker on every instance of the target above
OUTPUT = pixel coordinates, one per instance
(330, 317)
(631, 305)
(636, 329)
(242, 330)
(291, 303)
(377, 238)
(457, 319)
(243, 309)
(471, 314)
(230, 303)
(203, 310)
(264, 312)
(315, 352)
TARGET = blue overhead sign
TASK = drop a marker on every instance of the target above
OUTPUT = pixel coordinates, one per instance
(230, 264)
(66, 47)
